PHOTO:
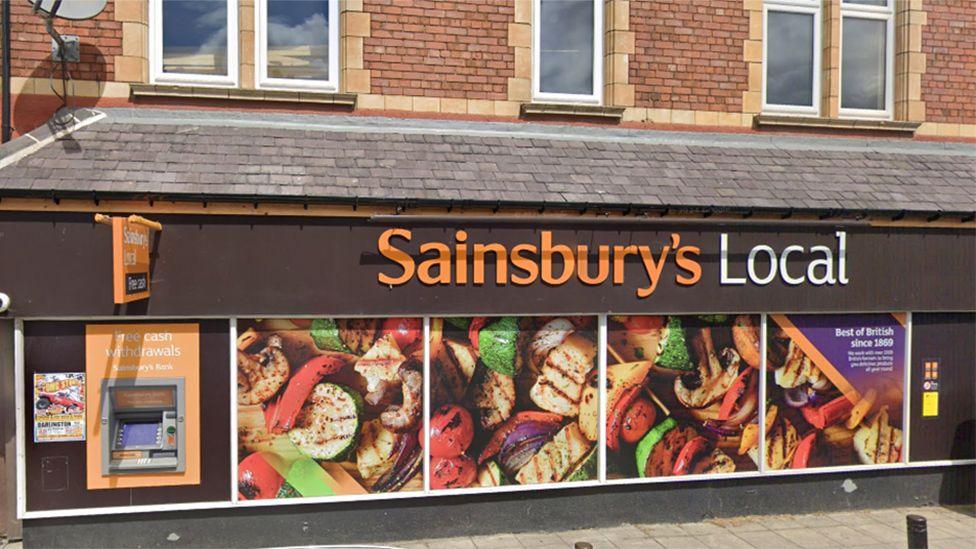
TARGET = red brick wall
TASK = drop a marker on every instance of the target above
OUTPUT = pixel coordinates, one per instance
(440, 49)
(30, 51)
(949, 43)
(676, 66)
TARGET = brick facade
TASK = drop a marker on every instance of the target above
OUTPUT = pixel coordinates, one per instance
(688, 54)
(949, 41)
(666, 62)
(30, 51)
(431, 48)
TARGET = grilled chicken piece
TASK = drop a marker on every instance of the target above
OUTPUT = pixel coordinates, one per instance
(452, 372)
(560, 385)
(556, 458)
(381, 363)
(878, 441)
(260, 376)
(376, 452)
(799, 369)
(494, 395)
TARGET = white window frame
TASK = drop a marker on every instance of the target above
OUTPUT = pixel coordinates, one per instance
(806, 7)
(156, 74)
(595, 98)
(882, 13)
(263, 81)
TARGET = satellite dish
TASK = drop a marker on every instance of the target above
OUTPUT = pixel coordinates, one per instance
(69, 9)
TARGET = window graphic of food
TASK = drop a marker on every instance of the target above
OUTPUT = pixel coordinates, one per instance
(823, 412)
(329, 406)
(514, 400)
(682, 394)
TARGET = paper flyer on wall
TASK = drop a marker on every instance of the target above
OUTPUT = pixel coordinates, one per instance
(59, 407)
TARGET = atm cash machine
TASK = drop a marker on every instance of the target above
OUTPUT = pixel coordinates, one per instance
(143, 426)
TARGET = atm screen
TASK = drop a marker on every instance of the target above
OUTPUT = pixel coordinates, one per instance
(139, 434)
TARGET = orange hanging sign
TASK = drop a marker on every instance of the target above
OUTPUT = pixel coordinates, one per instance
(130, 255)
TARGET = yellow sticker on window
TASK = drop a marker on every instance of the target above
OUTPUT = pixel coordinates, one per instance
(930, 404)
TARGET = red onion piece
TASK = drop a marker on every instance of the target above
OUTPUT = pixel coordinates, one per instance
(796, 397)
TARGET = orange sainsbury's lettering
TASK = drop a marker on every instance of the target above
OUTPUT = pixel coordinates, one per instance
(691, 266)
(525, 264)
(397, 256)
(460, 262)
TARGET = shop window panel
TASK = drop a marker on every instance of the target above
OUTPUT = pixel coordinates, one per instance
(682, 395)
(943, 415)
(514, 401)
(59, 470)
(835, 390)
(329, 407)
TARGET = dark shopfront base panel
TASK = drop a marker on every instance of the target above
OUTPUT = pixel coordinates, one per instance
(398, 520)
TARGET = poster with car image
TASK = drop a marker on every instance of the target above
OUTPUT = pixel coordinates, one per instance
(682, 395)
(59, 407)
(329, 406)
(835, 390)
(514, 400)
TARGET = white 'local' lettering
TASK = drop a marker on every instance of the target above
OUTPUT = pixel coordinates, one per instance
(820, 271)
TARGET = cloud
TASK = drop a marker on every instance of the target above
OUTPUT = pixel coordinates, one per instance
(313, 31)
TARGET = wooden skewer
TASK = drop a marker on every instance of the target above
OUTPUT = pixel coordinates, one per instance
(616, 356)
(657, 401)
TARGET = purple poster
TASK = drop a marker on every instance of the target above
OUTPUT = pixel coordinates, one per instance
(836, 389)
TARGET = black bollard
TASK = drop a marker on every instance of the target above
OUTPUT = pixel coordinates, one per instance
(918, 533)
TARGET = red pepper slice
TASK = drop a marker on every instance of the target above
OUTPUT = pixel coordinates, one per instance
(829, 413)
(682, 464)
(643, 324)
(477, 323)
(270, 410)
(615, 421)
(501, 433)
(257, 479)
(406, 331)
(801, 458)
(300, 385)
(732, 395)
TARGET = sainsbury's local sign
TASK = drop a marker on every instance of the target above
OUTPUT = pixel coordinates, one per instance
(465, 262)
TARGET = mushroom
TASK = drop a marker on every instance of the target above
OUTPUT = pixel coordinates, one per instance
(712, 379)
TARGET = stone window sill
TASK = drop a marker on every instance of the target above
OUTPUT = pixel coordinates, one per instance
(561, 109)
(237, 94)
(784, 121)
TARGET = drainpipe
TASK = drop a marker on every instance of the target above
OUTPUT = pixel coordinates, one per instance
(6, 132)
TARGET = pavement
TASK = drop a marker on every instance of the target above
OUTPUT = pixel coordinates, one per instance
(948, 528)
